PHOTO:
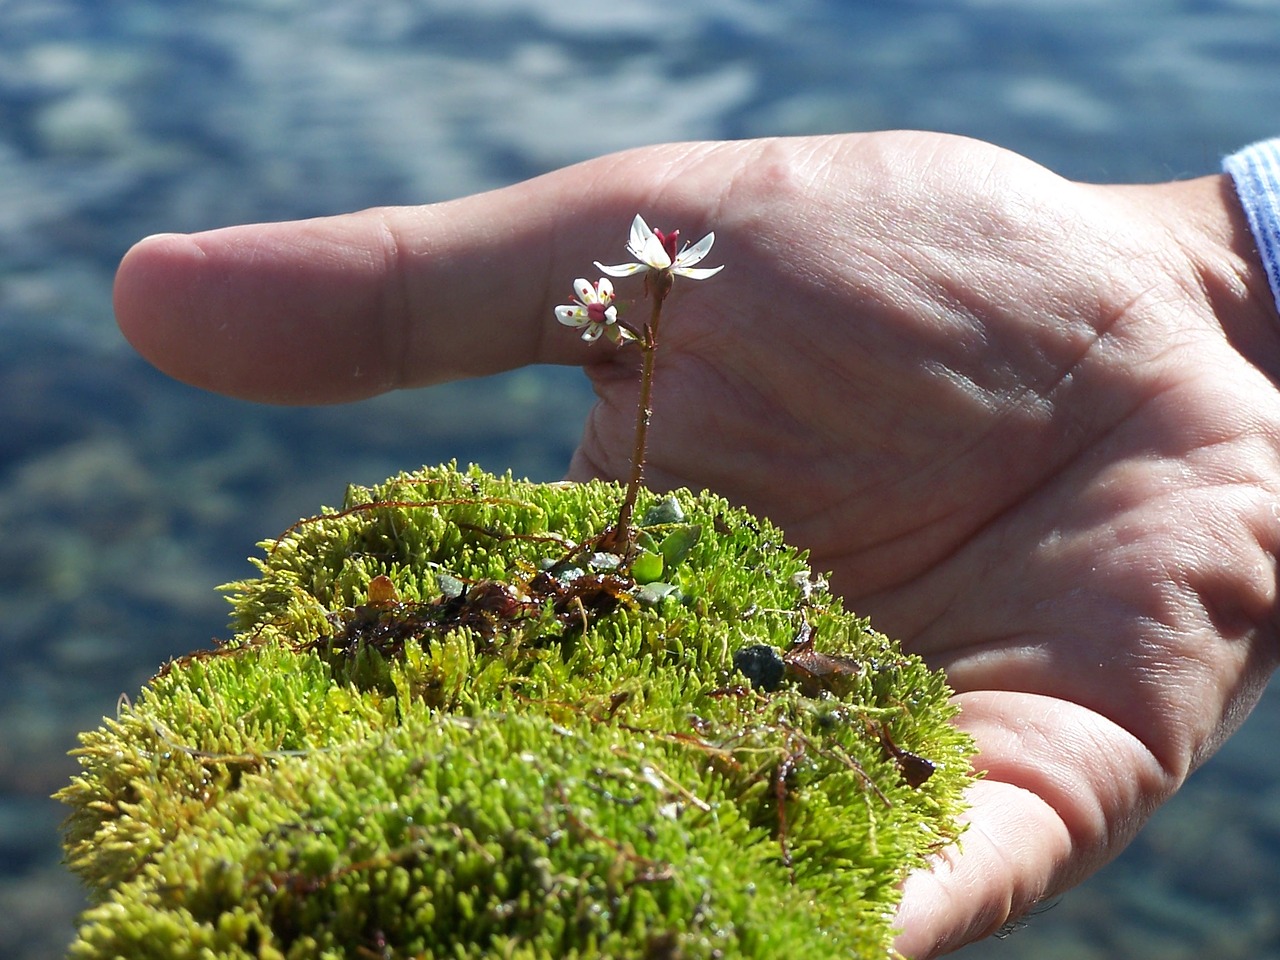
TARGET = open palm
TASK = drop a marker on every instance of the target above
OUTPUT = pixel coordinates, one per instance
(1027, 424)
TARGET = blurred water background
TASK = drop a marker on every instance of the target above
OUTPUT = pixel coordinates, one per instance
(125, 498)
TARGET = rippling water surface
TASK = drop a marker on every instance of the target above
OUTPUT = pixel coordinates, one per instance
(125, 498)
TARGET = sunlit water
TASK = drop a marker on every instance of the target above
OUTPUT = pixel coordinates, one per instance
(126, 497)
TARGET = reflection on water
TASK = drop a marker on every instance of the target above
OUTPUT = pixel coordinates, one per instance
(125, 497)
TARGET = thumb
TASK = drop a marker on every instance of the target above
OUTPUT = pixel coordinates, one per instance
(1063, 790)
(341, 308)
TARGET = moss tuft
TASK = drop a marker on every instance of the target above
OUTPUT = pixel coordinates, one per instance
(448, 726)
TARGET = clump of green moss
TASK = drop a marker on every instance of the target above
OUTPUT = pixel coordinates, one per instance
(447, 725)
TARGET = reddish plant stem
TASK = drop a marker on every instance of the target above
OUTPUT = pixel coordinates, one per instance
(623, 533)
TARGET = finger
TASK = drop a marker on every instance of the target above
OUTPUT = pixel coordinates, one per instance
(1001, 868)
(345, 307)
(1064, 791)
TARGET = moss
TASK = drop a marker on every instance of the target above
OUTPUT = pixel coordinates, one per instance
(446, 728)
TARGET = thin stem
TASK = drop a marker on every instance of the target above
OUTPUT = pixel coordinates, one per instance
(644, 410)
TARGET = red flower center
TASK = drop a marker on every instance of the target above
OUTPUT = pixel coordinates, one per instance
(596, 313)
(668, 241)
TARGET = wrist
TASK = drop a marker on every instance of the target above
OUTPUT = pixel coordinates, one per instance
(1206, 219)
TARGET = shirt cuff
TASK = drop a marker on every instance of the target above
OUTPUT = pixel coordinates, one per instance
(1255, 171)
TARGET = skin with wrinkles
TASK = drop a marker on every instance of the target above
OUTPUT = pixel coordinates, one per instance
(1030, 425)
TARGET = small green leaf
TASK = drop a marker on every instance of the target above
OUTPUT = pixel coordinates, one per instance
(645, 542)
(646, 567)
(677, 544)
(652, 594)
(450, 586)
(664, 511)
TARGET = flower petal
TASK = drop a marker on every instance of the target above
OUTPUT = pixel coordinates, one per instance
(585, 291)
(621, 269)
(655, 254)
(691, 255)
(640, 233)
(571, 315)
(605, 287)
(697, 273)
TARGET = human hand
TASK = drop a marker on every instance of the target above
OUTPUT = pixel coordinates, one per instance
(1029, 425)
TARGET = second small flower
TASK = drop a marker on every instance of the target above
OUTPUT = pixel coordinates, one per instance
(593, 311)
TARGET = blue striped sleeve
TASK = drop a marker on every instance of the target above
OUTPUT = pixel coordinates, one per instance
(1255, 170)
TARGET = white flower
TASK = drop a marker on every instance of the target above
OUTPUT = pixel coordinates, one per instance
(655, 250)
(593, 311)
